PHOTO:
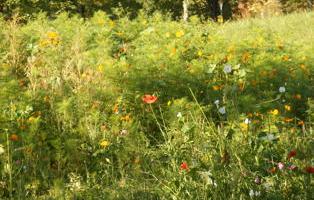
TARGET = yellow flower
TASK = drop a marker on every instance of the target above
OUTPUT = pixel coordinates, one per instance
(126, 118)
(274, 112)
(46, 99)
(53, 38)
(302, 66)
(217, 87)
(244, 126)
(43, 43)
(250, 115)
(169, 103)
(104, 144)
(100, 68)
(119, 33)
(52, 35)
(111, 23)
(32, 119)
(200, 53)
(304, 69)
(101, 22)
(287, 107)
(285, 58)
(220, 19)
(179, 34)
(246, 57)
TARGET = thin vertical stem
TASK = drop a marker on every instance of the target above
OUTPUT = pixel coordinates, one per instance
(159, 126)
(9, 164)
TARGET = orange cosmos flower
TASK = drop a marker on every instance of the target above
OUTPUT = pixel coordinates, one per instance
(297, 96)
(14, 137)
(272, 170)
(116, 108)
(246, 57)
(288, 120)
(285, 58)
(301, 123)
(126, 118)
(149, 99)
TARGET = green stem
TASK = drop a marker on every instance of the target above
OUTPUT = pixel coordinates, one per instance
(9, 165)
(159, 126)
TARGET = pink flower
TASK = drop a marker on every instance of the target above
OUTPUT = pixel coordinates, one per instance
(292, 167)
(257, 180)
(281, 166)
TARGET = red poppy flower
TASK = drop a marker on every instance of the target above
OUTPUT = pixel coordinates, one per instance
(309, 169)
(149, 99)
(292, 153)
(184, 166)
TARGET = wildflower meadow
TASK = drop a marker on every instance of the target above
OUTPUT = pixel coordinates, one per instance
(153, 108)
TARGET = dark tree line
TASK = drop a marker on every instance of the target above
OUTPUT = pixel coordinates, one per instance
(86, 8)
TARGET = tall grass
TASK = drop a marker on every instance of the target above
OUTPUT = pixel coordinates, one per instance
(232, 119)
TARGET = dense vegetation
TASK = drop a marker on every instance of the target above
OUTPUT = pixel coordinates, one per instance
(152, 108)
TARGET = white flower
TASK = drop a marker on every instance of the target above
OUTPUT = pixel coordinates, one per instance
(227, 69)
(124, 132)
(282, 89)
(179, 115)
(207, 176)
(270, 137)
(257, 193)
(251, 193)
(247, 121)
(222, 110)
(217, 103)
(212, 182)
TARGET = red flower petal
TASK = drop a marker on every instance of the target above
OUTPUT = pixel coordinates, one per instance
(309, 169)
(292, 153)
(149, 99)
(184, 166)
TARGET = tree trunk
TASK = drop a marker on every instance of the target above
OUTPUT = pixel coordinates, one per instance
(185, 10)
(214, 8)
